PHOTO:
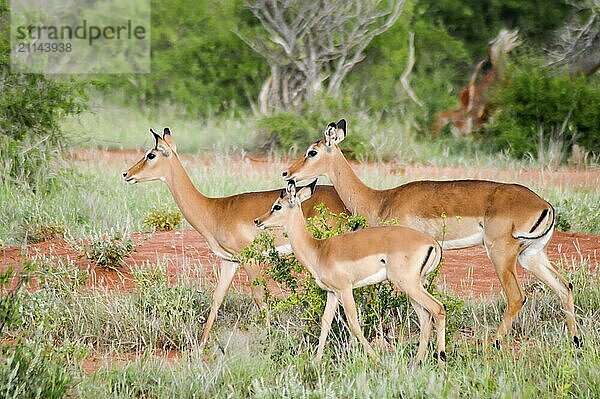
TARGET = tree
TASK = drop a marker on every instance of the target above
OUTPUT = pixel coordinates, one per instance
(311, 46)
(579, 44)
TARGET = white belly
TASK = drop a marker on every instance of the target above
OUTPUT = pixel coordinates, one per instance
(470, 241)
(375, 278)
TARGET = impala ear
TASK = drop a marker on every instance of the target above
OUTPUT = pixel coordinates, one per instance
(341, 130)
(282, 193)
(291, 191)
(335, 133)
(307, 191)
(169, 139)
(156, 138)
(159, 144)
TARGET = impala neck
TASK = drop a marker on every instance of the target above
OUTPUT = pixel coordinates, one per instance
(358, 197)
(195, 207)
(303, 244)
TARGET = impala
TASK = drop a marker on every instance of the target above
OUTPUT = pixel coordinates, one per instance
(226, 223)
(338, 264)
(509, 220)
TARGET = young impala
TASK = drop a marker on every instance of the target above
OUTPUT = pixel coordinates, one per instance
(225, 223)
(399, 254)
(509, 220)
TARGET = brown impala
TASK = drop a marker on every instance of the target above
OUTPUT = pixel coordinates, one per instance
(226, 223)
(509, 220)
(396, 253)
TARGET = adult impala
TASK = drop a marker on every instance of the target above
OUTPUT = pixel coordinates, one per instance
(399, 254)
(226, 223)
(510, 221)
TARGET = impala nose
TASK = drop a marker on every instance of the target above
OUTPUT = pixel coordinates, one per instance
(124, 174)
(256, 222)
(284, 174)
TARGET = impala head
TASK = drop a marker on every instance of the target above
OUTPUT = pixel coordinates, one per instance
(155, 163)
(282, 208)
(315, 161)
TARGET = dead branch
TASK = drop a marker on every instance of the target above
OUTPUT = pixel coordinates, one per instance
(409, 66)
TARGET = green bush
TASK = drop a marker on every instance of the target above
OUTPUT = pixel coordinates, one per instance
(162, 218)
(538, 105)
(32, 371)
(109, 251)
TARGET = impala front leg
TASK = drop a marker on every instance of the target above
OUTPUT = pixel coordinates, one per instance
(352, 318)
(225, 278)
(326, 319)
(258, 291)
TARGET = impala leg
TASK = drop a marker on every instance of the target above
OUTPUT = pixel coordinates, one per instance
(258, 292)
(425, 325)
(504, 258)
(226, 274)
(352, 316)
(330, 309)
(539, 265)
(435, 308)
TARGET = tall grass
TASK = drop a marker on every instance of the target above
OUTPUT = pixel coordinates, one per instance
(245, 359)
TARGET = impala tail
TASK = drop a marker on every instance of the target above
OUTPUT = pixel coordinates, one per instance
(543, 226)
(431, 261)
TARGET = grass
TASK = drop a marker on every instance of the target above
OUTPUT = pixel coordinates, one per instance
(50, 331)
(63, 323)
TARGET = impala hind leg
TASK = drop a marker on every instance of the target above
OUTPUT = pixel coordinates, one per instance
(328, 314)
(504, 259)
(539, 265)
(225, 278)
(432, 308)
(352, 317)
(257, 289)
(425, 324)
(258, 292)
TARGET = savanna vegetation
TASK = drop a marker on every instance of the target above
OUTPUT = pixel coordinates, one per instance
(206, 83)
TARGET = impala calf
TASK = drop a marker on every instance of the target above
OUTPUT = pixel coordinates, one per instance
(338, 264)
(225, 223)
(509, 220)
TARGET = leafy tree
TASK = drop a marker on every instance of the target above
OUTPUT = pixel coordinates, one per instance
(30, 108)
(198, 61)
(538, 104)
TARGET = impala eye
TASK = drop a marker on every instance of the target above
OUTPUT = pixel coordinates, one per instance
(277, 207)
(151, 155)
(311, 153)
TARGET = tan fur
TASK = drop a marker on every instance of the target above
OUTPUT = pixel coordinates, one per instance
(364, 257)
(456, 212)
(226, 223)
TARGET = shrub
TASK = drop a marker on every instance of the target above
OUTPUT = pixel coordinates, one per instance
(36, 230)
(291, 134)
(32, 371)
(162, 218)
(109, 251)
(539, 106)
(30, 108)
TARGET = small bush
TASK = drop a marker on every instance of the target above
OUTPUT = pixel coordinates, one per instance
(109, 251)
(32, 371)
(162, 218)
(291, 134)
(36, 230)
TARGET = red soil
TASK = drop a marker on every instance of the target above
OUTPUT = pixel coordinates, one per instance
(466, 272)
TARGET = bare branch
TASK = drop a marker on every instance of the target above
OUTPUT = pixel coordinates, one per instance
(409, 66)
(315, 43)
